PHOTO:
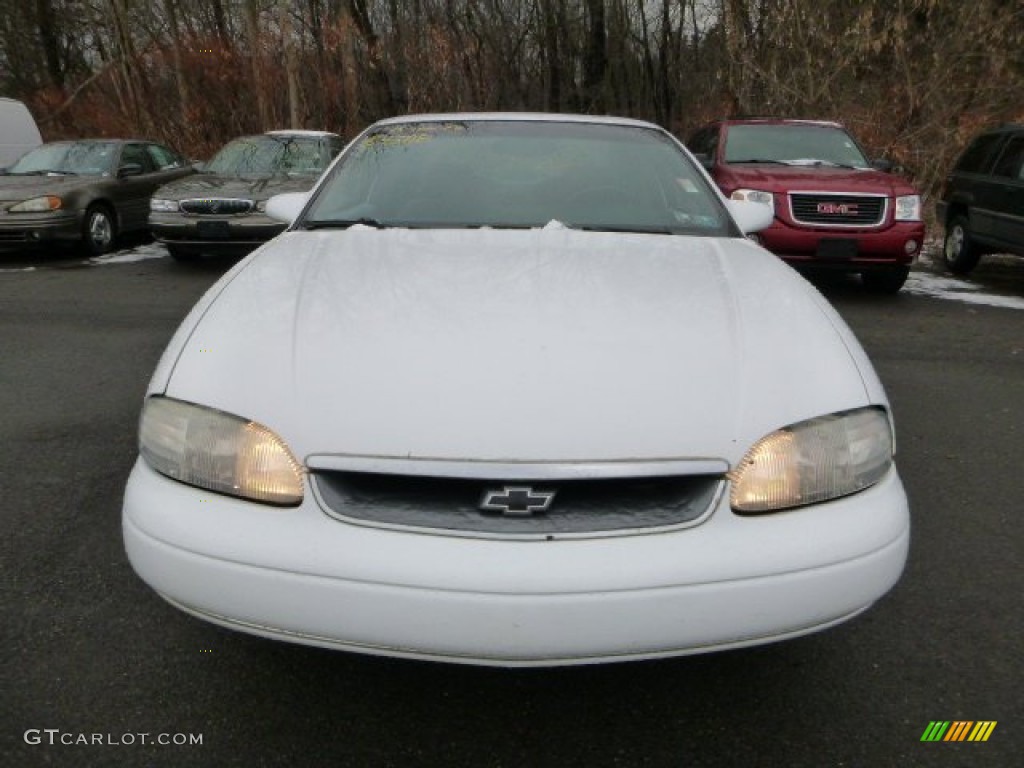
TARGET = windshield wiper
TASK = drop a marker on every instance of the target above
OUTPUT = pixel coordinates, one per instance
(628, 230)
(342, 223)
(757, 160)
(42, 173)
(814, 161)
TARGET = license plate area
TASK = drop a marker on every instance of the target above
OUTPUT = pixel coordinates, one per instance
(214, 230)
(837, 249)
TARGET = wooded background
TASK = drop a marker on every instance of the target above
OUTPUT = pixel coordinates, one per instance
(912, 79)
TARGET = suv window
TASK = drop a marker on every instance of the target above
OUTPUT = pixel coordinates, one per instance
(163, 158)
(1011, 163)
(792, 143)
(705, 142)
(136, 153)
(978, 157)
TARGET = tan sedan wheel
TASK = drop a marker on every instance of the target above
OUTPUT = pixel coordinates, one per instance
(99, 232)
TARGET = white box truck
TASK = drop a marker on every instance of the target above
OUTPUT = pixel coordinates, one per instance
(18, 131)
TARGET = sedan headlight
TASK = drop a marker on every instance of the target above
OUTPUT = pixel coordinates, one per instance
(908, 208)
(814, 461)
(163, 206)
(215, 450)
(37, 205)
(754, 196)
(261, 206)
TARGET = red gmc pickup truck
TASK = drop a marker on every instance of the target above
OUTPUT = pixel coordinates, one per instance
(833, 208)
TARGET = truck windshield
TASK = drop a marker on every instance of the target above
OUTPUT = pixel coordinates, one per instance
(793, 145)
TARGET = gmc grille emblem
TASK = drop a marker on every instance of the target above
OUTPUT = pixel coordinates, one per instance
(516, 501)
(838, 209)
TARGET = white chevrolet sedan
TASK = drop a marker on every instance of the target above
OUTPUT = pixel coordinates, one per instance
(516, 390)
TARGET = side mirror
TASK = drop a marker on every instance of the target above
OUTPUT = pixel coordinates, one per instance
(883, 164)
(287, 207)
(129, 169)
(751, 217)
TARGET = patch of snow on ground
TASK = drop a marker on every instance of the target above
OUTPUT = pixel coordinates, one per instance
(138, 253)
(937, 286)
(19, 269)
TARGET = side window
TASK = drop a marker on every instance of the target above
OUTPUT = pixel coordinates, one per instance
(705, 142)
(163, 158)
(1011, 162)
(136, 153)
(978, 156)
(335, 146)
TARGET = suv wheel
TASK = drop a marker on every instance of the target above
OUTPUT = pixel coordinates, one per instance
(958, 250)
(888, 280)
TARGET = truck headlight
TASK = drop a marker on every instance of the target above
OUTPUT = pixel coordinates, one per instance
(754, 196)
(908, 208)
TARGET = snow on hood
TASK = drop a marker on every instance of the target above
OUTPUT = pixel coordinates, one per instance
(542, 345)
(254, 187)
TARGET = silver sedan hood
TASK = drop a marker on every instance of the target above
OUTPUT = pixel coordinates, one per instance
(540, 345)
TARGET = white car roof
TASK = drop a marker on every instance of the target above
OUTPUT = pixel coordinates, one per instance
(524, 117)
(298, 132)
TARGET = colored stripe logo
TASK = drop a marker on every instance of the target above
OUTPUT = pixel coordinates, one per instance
(958, 730)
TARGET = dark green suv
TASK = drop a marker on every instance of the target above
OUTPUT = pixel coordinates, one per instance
(982, 203)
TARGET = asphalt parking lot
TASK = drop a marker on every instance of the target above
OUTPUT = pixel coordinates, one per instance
(91, 651)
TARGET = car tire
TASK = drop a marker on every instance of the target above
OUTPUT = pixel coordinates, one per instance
(959, 252)
(182, 254)
(888, 281)
(99, 230)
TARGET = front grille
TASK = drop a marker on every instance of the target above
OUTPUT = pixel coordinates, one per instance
(579, 505)
(218, 206)
(837, 209)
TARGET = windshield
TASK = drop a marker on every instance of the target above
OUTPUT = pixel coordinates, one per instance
(518, 174)
(269, 155)
(793, 145)
(79, 158)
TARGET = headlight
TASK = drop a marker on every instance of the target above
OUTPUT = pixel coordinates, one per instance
(908, 208)
(754, 196)
(163, 206)
(215, 450)
(261, 206)
(814, 461)
(37, 205)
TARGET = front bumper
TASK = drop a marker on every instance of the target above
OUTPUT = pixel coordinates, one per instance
(209, 234)
(23, 230)
(886, 247)
(298, 575)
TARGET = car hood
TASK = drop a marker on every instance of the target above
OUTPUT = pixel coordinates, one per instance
(17, 188)
(525, 345)
(249, 188)
(781, 178)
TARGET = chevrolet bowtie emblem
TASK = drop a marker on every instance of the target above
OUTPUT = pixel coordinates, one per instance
(517, 501)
